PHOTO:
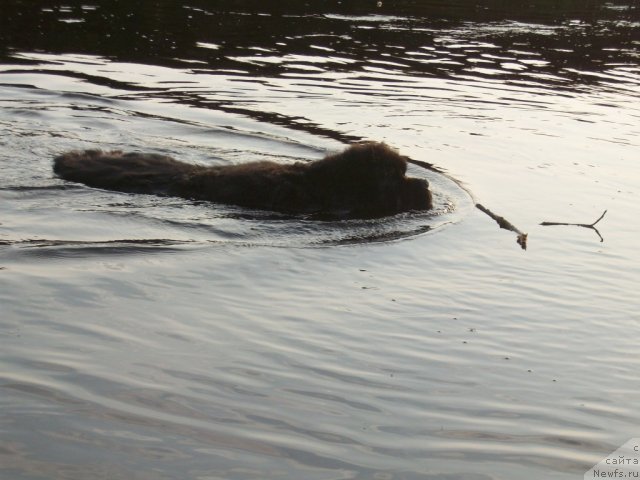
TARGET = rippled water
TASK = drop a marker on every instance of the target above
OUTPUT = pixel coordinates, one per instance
(148, 338)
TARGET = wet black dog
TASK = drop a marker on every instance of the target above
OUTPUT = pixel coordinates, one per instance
(367, 180)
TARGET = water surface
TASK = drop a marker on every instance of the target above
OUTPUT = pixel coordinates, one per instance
(155, 338)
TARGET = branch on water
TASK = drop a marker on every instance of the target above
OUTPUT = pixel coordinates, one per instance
(591, 226)
(506, 224)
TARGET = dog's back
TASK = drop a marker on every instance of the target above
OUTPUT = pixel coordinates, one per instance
(263, 185)
(124, 172)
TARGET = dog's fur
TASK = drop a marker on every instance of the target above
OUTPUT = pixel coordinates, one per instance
(366, 180)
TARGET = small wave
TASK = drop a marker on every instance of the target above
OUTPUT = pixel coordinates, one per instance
(37, 188)
(80, 248)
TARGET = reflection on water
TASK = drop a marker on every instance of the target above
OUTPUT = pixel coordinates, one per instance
(151, 338)
(288, 53)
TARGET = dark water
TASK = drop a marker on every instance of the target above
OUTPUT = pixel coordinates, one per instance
(155, 338)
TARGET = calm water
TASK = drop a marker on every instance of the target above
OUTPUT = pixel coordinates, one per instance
(156, 338)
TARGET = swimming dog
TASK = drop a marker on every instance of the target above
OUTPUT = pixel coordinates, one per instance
(366, 180)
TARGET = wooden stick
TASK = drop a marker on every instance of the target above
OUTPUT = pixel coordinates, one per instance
(506, 224)
(502, 222)
(591, 226)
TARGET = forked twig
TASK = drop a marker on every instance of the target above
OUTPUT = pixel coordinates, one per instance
(592, 226)
(506, 224)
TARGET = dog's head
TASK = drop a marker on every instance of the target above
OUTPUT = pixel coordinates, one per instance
(369, 180)
(415, 195)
